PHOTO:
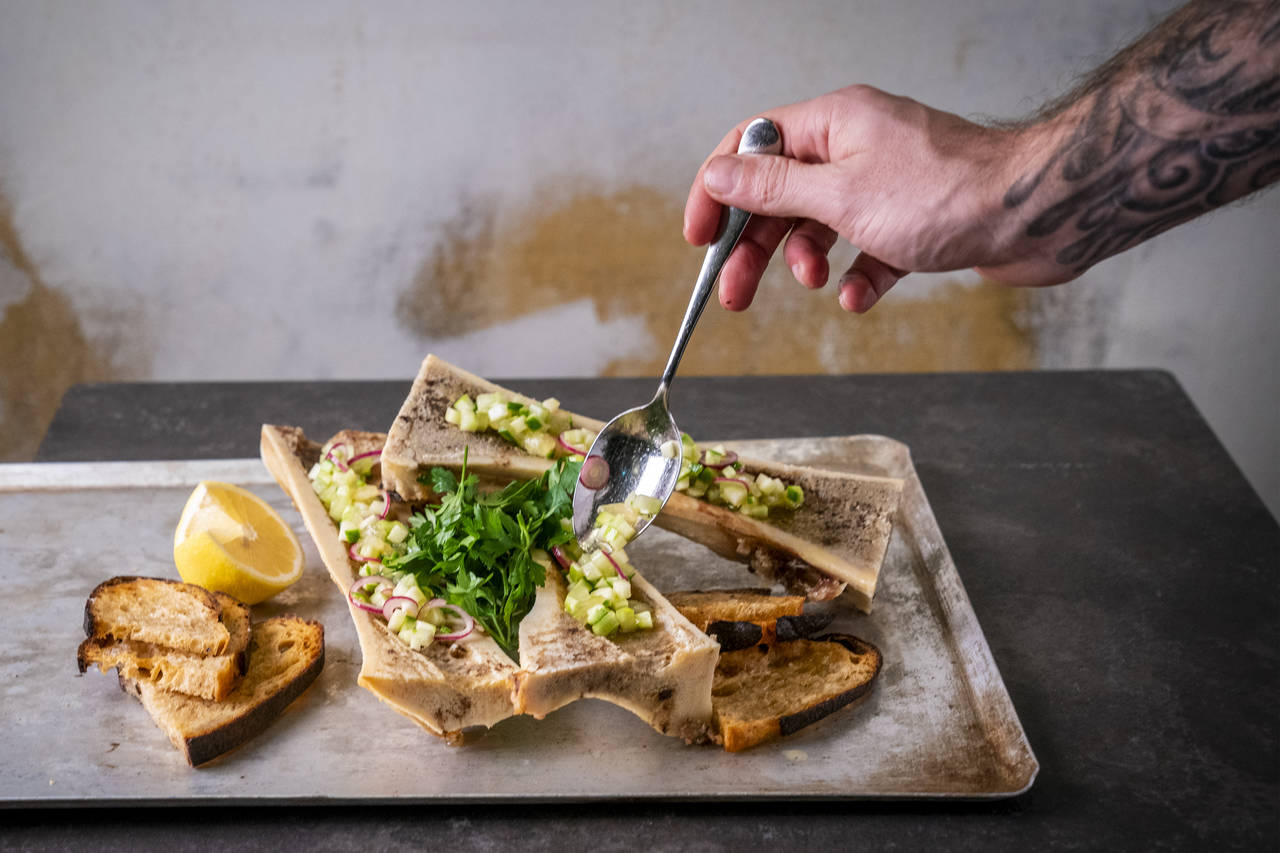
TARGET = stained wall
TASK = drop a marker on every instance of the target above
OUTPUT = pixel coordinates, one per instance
(309, 190)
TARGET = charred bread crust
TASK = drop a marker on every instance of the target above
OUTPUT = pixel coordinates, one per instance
(803, 626)
(737, 635)
(792, 723)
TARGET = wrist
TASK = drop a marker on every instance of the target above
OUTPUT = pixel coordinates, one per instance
(1025, 251)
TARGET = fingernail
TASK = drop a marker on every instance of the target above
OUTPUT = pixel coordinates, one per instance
(722, 174)
(850, 298)
(798, 272)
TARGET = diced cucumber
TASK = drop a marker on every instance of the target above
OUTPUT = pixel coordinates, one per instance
(645, 504)
(626, 619)
(605, 625)
(644, 619)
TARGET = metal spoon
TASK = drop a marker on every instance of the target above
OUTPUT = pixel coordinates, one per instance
(627, 454)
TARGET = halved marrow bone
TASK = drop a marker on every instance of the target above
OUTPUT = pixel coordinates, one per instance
(662, 675)
(838, 539)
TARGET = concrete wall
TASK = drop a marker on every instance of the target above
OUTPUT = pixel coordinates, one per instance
(320, 189)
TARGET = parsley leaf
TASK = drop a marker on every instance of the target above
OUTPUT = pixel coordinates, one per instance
(474, 549)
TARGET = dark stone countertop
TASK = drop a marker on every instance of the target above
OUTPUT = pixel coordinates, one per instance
(1124, 573)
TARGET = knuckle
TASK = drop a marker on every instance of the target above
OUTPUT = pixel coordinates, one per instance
(769, 180)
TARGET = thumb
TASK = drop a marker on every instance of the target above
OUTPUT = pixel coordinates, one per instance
(773, 186)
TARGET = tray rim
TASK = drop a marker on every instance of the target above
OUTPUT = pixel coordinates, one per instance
(973, 655)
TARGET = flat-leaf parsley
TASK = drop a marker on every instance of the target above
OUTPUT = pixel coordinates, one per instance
(475, 549)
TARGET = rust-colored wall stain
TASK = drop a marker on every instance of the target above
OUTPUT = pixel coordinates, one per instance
(625, 252)
(43, 352)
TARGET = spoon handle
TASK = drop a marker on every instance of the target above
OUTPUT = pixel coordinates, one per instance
(759, 137)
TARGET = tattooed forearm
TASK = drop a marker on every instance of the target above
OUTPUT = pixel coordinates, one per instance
(1183, 121)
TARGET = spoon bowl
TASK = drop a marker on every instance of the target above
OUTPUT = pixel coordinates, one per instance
(626, 458)
(627, 446)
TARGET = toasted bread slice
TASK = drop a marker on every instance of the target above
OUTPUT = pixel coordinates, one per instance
(702, 607)
(446, 687)
(285, 656)
(662, 675)
(206, 676)
(168, 613)
(738, 618)
(838, 538)
(766, 692)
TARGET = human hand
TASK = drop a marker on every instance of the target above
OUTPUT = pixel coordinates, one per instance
(915, 189)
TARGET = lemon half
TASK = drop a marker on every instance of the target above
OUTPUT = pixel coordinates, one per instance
(230, 540)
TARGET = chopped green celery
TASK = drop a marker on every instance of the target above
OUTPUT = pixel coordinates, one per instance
(605, 625)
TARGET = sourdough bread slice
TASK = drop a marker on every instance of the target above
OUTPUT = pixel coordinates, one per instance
(285, 655)
(446, 687)
(838, 539)
(206, 676)
(168, 613)
(766, 692)
(738, 618)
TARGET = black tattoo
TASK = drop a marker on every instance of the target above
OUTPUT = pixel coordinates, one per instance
(1186, 120)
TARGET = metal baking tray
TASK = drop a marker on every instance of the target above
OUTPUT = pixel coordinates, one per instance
(938, 725)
